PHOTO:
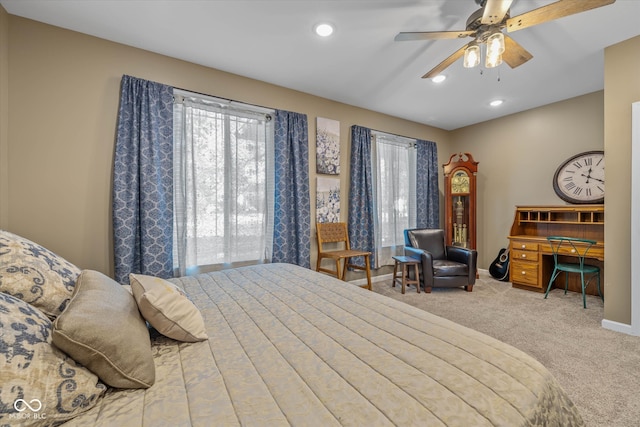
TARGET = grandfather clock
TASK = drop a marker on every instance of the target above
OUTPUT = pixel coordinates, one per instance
(460, 200)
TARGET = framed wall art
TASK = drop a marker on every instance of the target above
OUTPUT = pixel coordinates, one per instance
(327, 199)
(327, 146)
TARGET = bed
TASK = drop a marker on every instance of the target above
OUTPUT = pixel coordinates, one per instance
(288, 346)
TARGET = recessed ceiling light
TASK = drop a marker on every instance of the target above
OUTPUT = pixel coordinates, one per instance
(324, 29)
(439, 78)
(496, 102)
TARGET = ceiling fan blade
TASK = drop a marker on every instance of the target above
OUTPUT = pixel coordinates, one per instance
(444, 64)
(429, 35)
(553, 11)
(495, 11)
(514, 54)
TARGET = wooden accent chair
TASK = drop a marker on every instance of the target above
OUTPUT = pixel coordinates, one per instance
(336, 232)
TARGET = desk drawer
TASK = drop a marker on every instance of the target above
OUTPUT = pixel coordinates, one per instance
(593, 252)
(524, 255)
(596, 252)
(524, 245)
(565, 249)
(524, 272)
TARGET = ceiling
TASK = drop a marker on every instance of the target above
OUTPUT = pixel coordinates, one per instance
(360, 64)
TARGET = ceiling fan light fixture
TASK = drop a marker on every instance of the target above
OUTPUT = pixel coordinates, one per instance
(471, 56)
(492, 61)
(495, 44)
(439, 78)
(495, 48)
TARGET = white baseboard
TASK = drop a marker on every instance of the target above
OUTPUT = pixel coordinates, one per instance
(619, 327)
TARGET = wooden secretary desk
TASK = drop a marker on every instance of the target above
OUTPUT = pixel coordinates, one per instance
(530, 252)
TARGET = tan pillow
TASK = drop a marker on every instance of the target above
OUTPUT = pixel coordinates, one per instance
(102, 329)
(39, 384)
(167, 308)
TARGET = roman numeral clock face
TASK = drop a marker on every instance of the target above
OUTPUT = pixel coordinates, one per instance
(580, 179)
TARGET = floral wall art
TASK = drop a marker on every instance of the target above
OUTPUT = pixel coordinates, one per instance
(327, 146)
(327, 199)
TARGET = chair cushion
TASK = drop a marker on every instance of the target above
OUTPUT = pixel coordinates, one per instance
(431, 240)
(443, 267)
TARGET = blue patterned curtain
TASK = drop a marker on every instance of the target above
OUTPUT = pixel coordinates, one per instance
(143, 180)
(292, 210)
(427, 193)
(361, 232)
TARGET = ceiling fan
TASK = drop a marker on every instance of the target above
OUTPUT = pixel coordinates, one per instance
(486, 24)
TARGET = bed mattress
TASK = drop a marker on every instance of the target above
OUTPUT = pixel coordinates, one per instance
(289, 346)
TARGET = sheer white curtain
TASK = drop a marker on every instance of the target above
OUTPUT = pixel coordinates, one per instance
(223, 183)
(394, 160)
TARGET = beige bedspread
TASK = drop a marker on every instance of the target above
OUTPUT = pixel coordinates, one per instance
(291, 346)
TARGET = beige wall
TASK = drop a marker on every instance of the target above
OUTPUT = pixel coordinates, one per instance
(621, 88)
(63, 92)
(4, 117)
(518, 157)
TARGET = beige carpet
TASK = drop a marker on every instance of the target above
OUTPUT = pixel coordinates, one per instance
(599, 368)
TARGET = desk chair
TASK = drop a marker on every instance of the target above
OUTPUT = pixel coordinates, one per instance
(575, 247)
(336, 232)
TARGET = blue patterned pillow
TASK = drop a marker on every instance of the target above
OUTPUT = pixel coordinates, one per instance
(39, 384)
(35, 275)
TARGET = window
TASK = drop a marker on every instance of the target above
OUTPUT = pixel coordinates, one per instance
(394, 170)
(223, 167)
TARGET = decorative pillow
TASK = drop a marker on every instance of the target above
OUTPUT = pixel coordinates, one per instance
(35, 275)
(102, 329)
(167, 308)
(39, 384)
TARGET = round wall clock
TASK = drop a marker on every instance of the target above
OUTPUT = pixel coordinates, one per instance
(580, 179)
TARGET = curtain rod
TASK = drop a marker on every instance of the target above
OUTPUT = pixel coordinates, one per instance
(230, 101)
(393, 134)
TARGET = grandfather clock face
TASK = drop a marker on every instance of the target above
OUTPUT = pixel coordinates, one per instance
(459, 182)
